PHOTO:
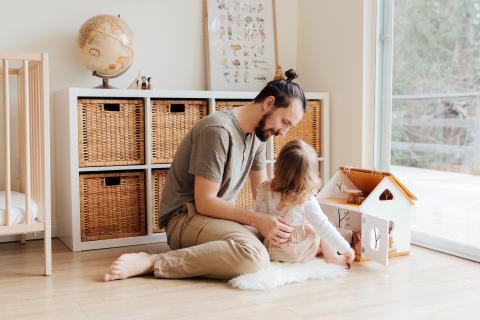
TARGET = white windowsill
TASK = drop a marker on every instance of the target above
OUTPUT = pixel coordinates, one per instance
(447, 214)
(446, 245)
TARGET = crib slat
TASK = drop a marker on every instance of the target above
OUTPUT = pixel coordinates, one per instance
(31, 120)
(26, 94)
(32, 115)
(45, 170)
(6, 103)
(21, 131)
(40, 144)
(33, 137)
(36, 192)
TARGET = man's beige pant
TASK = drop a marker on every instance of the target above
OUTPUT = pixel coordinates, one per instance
(209, 247)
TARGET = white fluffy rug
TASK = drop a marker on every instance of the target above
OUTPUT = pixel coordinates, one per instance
(279, 274)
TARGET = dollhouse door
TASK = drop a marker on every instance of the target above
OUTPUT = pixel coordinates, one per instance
(375, 238)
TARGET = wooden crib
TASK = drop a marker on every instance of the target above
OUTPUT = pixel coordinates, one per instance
(27, 75)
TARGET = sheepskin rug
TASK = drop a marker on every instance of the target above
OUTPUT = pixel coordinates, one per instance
(279, 274)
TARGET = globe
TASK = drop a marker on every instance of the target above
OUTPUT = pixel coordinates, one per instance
(105, 46)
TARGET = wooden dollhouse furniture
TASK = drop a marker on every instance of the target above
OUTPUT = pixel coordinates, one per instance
(25, 196)
(114, 148)
(379, 216)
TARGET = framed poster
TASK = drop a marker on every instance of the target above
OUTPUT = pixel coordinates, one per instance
(240, 48)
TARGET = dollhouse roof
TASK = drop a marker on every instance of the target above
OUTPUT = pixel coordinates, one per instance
(368, 179)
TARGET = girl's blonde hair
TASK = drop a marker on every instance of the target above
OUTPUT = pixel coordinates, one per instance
(296, 173)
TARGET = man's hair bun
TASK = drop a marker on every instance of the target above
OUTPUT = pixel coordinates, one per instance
(291, 74)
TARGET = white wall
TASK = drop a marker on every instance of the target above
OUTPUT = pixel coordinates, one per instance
(287, 31)
(329, 58)
(322, 39)
(169, 40)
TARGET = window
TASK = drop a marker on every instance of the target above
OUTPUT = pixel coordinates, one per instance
(428, 115)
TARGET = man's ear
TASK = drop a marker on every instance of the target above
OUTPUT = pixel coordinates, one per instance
(268, 104)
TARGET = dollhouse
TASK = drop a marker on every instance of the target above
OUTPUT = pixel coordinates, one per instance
(372, 209)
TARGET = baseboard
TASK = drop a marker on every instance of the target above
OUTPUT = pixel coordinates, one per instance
(30, 236)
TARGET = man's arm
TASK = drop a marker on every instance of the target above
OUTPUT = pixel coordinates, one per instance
(256, 178)
(273, 228)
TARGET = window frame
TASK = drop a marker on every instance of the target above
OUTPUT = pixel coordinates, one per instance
(383, 87)
(383, 125)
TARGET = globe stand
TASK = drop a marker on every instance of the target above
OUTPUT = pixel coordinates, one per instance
(104, 85)
(105, 79)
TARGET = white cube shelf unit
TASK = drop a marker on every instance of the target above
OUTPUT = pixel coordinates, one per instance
(70, 168)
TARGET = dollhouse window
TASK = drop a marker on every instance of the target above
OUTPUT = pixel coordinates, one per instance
(375, 239)
(386, 195)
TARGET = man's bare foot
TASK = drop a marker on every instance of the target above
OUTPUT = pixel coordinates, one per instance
(130, 265)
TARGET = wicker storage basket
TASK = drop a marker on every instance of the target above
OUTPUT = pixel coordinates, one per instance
(220, 104)
(245, 197)
(307, 130)
(172, 119)
(112, 205)
(158, 182)
(110, 132)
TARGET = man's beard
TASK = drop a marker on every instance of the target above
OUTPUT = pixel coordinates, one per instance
(260, 131)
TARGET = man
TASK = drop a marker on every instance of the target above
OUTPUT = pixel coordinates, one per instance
(209, 236)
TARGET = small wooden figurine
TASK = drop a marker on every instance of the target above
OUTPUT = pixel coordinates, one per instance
(141, 82)
(351, 194)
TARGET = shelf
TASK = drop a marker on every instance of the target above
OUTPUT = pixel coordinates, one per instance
(338, 203)
(114, 168)
(174, 94)
(125, 168)
(160, 166)
(67, 155)
(160, 237)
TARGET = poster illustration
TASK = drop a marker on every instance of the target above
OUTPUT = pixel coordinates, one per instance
(241, 44)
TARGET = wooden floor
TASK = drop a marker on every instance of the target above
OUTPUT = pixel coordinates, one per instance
(424, 285)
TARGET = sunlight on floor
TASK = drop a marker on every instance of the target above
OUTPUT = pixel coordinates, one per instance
(448, 203)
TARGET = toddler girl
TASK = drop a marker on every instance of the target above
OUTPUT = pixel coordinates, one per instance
(291, 194)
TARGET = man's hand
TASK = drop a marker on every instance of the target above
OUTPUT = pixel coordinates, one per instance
(275, 229)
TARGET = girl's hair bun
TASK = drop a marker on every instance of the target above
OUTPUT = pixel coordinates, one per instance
(291, 74)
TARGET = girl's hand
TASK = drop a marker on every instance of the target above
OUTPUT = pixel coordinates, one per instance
(349, 256)
(275, 229)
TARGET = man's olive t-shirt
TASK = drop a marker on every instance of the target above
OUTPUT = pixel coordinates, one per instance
(217, 149)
